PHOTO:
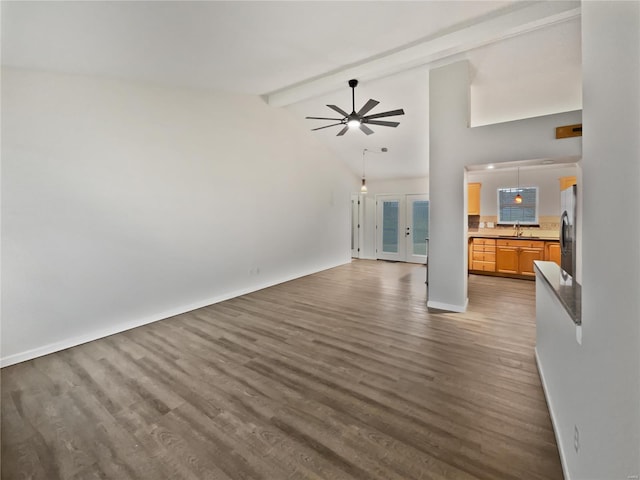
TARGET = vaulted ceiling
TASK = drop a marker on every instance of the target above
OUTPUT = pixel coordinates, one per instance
(299, 55)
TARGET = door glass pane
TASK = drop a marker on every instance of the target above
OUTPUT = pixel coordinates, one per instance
(390, 212)
(420, 217)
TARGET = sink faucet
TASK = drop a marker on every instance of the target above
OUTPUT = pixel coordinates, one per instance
(517, 231)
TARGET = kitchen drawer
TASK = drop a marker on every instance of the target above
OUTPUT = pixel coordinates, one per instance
(483, 266)
(484, 241)
(520, 243)
(484, 248)
(484, 256)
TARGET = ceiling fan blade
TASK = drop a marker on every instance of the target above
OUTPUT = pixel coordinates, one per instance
(343, 131)
(326, 126)
(365, 129)
(323, 118)
(383, 123)
(339, 110)
(385, 114)
(367, 107)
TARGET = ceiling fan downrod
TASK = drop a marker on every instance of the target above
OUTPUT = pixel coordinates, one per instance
(353, 84)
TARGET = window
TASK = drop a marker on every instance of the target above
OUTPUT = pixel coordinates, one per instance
(525, 213)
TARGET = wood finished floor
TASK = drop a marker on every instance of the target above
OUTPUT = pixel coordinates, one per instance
(338, 375)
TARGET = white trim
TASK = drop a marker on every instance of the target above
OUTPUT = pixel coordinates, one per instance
(556, 430)
(357, 241)
(128, 325)
(448, 306)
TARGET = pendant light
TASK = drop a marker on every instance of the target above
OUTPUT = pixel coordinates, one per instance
(518, 198)
(363, 188)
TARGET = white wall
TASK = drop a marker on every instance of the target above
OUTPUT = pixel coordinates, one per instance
(400, 186)
(453, 146)
(546, 67)
(125, 203)
(546, 179)
(600, 394)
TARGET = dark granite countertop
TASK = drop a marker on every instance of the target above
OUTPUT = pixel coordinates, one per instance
(507, 237)
(568, 291)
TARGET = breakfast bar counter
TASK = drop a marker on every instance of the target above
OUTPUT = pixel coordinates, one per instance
(563, 286)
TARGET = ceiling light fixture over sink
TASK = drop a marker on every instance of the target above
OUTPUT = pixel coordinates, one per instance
(518, 198)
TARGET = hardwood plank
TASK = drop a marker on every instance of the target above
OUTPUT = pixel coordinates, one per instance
(344, 374)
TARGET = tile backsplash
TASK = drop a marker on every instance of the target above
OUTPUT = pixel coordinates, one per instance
(488, 225)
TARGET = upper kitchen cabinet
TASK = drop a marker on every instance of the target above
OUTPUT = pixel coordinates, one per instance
(566, 182)
(473, 194)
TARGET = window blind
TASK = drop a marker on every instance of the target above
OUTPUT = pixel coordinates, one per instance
(525, 213)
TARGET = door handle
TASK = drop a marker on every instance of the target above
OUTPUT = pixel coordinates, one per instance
(564, 224)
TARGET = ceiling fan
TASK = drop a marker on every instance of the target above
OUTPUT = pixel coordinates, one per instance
(359, 119)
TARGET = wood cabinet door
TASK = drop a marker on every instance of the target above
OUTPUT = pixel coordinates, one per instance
(527, 257)
(473, 197)
(566, 182)
(553, 253)
(507, 259)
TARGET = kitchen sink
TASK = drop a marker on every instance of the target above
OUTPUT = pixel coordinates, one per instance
(517, 238)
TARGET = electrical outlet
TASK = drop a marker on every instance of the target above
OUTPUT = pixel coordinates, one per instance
(576, 438)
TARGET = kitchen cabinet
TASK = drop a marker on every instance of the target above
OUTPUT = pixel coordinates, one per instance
(473, 198)
(482, 254)
(516, 256)
(510, 257)
(566, 182)
(552, 252)
(507, 259)
(527, 257)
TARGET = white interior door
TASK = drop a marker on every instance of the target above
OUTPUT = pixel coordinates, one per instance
(355, 226)
(390, 227)
(402, 228)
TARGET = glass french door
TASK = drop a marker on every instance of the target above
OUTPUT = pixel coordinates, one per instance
(390, 227)
(417, 228)
(402, 227)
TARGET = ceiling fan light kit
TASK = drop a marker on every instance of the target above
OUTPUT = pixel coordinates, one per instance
(359, 119)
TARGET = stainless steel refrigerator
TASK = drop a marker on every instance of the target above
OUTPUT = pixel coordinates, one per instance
(568, 230)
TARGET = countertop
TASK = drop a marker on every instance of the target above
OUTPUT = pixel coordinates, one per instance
(507, 237)
(567, 290)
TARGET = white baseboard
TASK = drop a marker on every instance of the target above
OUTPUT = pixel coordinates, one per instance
(556, 430)
(124, 326)
(448, 306)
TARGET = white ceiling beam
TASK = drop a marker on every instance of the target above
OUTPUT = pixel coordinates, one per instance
(505, 25)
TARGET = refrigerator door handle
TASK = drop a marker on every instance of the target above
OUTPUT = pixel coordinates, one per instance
(564, 222)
